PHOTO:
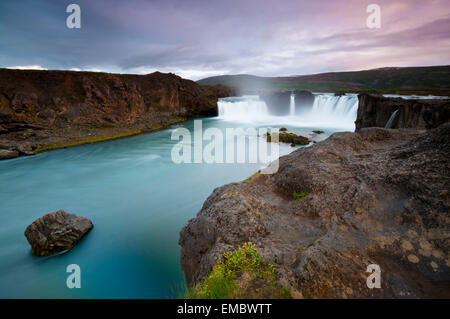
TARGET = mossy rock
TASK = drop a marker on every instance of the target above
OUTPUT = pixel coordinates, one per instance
(242, 274)
(290, 138)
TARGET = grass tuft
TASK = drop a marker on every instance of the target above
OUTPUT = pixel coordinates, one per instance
(298, 196)
(241, 274)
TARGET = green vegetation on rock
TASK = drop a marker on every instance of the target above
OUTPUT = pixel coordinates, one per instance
(298, 196)
(82, 141)
(290, 138)
(252, 177)
(241, 274)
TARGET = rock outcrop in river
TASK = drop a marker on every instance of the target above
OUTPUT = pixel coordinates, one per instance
(56, 232)
(375, 111)
(378, 196)
(42, 110)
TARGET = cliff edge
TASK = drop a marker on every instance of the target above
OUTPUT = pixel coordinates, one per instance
(376, 110)
(41, 110)
(378, 196)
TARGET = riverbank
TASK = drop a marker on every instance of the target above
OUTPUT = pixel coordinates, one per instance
(71, 139)
(44, 110)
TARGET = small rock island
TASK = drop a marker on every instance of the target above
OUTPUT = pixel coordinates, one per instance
(56, 232)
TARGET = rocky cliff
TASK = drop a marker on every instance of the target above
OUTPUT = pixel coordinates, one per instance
(375, 111)
(49, 109)
(378, 196)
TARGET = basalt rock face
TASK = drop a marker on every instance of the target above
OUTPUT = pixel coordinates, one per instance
(43, 107)
(278, 103)
(375, 111)
(56, 232)
(378, 196)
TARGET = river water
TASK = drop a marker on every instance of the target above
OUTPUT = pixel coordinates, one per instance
(138, 200)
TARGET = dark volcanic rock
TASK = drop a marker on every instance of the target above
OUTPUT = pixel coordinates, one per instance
(378, 196)
(375, 111)
(56, 232)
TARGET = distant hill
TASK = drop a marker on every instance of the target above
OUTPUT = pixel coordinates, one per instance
(433, 79)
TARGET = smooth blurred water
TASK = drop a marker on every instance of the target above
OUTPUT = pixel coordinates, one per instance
(138, 200)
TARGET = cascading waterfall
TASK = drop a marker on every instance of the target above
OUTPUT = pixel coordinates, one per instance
(331, 108)
(327, 111)
(292, 105)
(247, 108)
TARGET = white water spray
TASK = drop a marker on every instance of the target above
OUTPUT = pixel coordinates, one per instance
(247, 108)
(292, 105)
(330, 108)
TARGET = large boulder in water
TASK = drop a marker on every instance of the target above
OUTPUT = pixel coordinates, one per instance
(56, 232)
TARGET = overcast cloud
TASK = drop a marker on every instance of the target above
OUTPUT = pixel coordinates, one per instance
(199, 38)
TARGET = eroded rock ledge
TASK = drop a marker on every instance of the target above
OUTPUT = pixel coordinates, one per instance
(374, 197)
(375, 111)
(42, 110)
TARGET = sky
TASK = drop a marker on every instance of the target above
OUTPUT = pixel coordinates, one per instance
(201, 38)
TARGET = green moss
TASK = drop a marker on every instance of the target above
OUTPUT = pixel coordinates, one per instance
(177, 121)
(156, 127)
(283, 129)
(290, 138)
(88, 140)
(252, 177)
(298, 196)
(318, 131)
(236, 275)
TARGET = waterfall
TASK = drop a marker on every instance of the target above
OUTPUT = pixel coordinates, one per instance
(292, 105)
(390, 123)
(330, 108)
(327, 111)
(329, 105)
(247, 108)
